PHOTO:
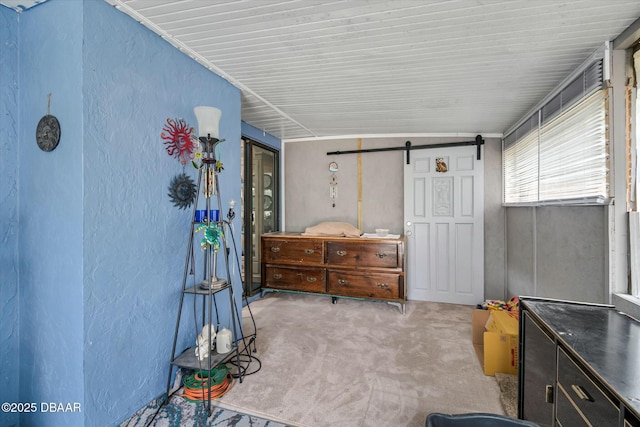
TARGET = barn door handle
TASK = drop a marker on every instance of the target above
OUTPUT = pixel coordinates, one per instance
(277, 276)
(275, 249)
(341, 253)
(309, 251)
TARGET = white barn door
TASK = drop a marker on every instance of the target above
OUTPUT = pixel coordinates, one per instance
(444, 225)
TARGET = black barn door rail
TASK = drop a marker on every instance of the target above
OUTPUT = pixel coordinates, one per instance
(408, 147)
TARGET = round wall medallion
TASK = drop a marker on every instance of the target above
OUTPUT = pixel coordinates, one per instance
(48, 133)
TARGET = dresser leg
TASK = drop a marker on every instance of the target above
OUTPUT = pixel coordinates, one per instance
(334, 300)
(400, 306)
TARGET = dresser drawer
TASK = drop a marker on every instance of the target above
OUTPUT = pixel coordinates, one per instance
(298, 251)
(295, 279)
(585, 395)
(364, 285)
(365, 254)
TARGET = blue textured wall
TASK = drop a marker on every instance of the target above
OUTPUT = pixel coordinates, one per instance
(9, 343)
(50, 211)
(100, 253)
(135, 239)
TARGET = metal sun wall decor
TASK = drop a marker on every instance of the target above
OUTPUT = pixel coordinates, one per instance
(182, 191)
(181, 142)
(179, 139)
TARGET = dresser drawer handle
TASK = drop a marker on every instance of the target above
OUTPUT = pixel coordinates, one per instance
(379, 255)
(343, 282)
(309, 251)
(311, 279)
(341, 253)
(277, 276)
(275, 249)
(382, 285)
(582, 393)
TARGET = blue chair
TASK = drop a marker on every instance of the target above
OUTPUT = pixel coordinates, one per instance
(475, 420)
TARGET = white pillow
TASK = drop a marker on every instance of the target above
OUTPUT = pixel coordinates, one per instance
(332, 229)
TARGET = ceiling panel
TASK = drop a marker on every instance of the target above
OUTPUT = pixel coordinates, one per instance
(20, 5)
(310, 68)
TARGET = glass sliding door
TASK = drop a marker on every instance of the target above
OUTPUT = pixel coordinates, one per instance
(261, 202)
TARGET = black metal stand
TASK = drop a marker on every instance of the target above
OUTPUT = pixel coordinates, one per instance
(211, 286)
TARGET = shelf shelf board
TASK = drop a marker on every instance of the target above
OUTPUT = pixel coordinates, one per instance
(202, 291)
(188, 359)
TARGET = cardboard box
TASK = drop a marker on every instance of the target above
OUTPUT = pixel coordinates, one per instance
(497, 349)
(502, 322)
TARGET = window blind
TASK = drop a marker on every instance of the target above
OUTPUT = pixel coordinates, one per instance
(520, 164)
(574, 154)
(560, 154)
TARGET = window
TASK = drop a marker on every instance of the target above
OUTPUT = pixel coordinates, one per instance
(560, 154)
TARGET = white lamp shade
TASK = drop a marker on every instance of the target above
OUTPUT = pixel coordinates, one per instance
(208, 121)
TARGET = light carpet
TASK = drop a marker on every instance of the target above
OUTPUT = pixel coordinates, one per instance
(508, 393)
(361, 363)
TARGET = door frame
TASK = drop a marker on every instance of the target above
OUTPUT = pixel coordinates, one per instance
(247, 207)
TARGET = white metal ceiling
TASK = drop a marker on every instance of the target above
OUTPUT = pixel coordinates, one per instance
(20, 5)
(311, 68)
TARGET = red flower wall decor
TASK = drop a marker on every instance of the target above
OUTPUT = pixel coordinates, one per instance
(179, 139)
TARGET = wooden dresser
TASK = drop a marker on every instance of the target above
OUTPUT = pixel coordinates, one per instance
(368, 268)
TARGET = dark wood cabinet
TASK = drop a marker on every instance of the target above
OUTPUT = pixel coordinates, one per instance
(368, 268)
(579, 365)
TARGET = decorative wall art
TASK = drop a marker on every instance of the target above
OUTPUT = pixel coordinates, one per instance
(182, 191)
(333, 183)
(48, 130)
(441, 165)
(212, 235)
(179, 140)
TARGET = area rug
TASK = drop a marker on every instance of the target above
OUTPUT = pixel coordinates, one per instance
(361, 363)
(179, 412)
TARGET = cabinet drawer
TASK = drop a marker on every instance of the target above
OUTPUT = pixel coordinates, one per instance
(566, 414)
(295, 279)
(292, 251)
(631, 421)
(363, 285)
(363, 254)
(585, 395)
